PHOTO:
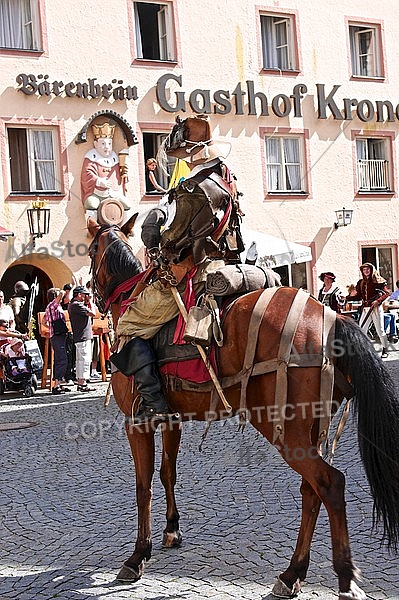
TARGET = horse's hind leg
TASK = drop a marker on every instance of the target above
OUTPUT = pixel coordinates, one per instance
(171, 435)
(329, 485)
(289, 581)
(143, 450)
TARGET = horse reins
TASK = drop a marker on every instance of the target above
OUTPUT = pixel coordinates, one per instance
(95, 271)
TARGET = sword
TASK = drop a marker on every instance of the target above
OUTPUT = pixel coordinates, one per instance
(183, 310)
(34, 289)
(370, 310)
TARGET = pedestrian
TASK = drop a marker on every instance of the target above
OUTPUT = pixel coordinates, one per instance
(70, 373)
(20, 306)
(81, 310)
(6, 312)
(372, 290)
(95, 342)
(54, 318)
(8, 334)
(331, 295)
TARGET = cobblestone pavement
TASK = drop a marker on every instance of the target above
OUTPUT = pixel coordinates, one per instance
(68, 515)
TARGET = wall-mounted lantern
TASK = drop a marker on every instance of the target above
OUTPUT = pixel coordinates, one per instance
(39, 220)
(344, 217)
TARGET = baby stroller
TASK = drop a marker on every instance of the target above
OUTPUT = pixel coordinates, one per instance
(18, 372)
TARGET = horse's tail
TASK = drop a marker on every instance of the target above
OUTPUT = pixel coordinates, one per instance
(377, 409)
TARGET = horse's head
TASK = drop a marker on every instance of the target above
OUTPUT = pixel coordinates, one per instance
(112, 258)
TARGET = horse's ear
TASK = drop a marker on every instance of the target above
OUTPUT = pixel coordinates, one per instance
(92, 226)
(127, 228)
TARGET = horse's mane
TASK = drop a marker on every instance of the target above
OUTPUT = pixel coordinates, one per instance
(120, 262)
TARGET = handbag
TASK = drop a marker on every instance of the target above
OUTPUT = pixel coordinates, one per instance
(59, 326)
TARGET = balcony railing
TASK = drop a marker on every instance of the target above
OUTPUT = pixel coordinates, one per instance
(372, 175)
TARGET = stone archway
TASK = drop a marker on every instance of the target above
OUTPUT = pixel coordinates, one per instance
(49, 271)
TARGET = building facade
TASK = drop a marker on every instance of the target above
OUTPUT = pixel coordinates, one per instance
(307, 99)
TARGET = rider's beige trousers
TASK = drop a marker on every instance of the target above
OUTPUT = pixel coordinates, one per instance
(155, 305)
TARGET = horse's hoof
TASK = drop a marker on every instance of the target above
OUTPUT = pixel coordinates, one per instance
(172, 539)
(355, 593)
(128, 575)
(280, 590)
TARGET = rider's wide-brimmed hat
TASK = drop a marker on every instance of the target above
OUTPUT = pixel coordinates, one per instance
(202, 148)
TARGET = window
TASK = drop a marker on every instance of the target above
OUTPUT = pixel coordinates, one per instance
(294, 275)
(284, 164)
(372, 156)
(33, 160)
(278, 49)
(381, 258)
(365, 45)
(151, 145)
(154, 31)
(19, 25)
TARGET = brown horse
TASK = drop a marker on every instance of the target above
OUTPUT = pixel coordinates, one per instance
(296, 436)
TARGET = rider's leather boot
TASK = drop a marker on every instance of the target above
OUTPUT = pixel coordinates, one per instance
(139, 360)
(153, 406)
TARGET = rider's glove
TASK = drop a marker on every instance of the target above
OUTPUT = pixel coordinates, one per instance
(151, 228)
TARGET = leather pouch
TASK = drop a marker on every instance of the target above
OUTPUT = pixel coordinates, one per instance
(199, 326)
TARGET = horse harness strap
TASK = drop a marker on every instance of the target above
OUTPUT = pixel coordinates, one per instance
(283, 359)
(287, 358)
(327, 372)
(252, 339)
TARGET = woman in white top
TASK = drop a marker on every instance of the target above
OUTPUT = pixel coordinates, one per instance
(330, 294)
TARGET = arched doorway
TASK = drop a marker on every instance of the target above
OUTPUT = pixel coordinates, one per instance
(48, 271)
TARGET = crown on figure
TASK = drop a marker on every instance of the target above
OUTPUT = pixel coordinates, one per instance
(103, 131)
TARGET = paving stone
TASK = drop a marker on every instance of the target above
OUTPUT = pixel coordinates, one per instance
(69, 515)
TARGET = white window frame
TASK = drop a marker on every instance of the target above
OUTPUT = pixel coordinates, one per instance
(26, 30)
(165, 32)
(371, 57)
(32, 160)
(271, 46)
(372, 165)
(282, 165)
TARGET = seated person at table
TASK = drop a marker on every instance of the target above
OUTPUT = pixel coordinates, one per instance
(390, 323)
(395, 294)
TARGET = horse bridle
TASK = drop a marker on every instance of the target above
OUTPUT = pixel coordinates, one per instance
(93, 249)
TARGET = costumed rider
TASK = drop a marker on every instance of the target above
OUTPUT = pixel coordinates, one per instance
(103, 174)
(191, 233)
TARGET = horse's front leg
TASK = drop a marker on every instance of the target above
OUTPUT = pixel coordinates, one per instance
(171, 435)
(143, 451)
